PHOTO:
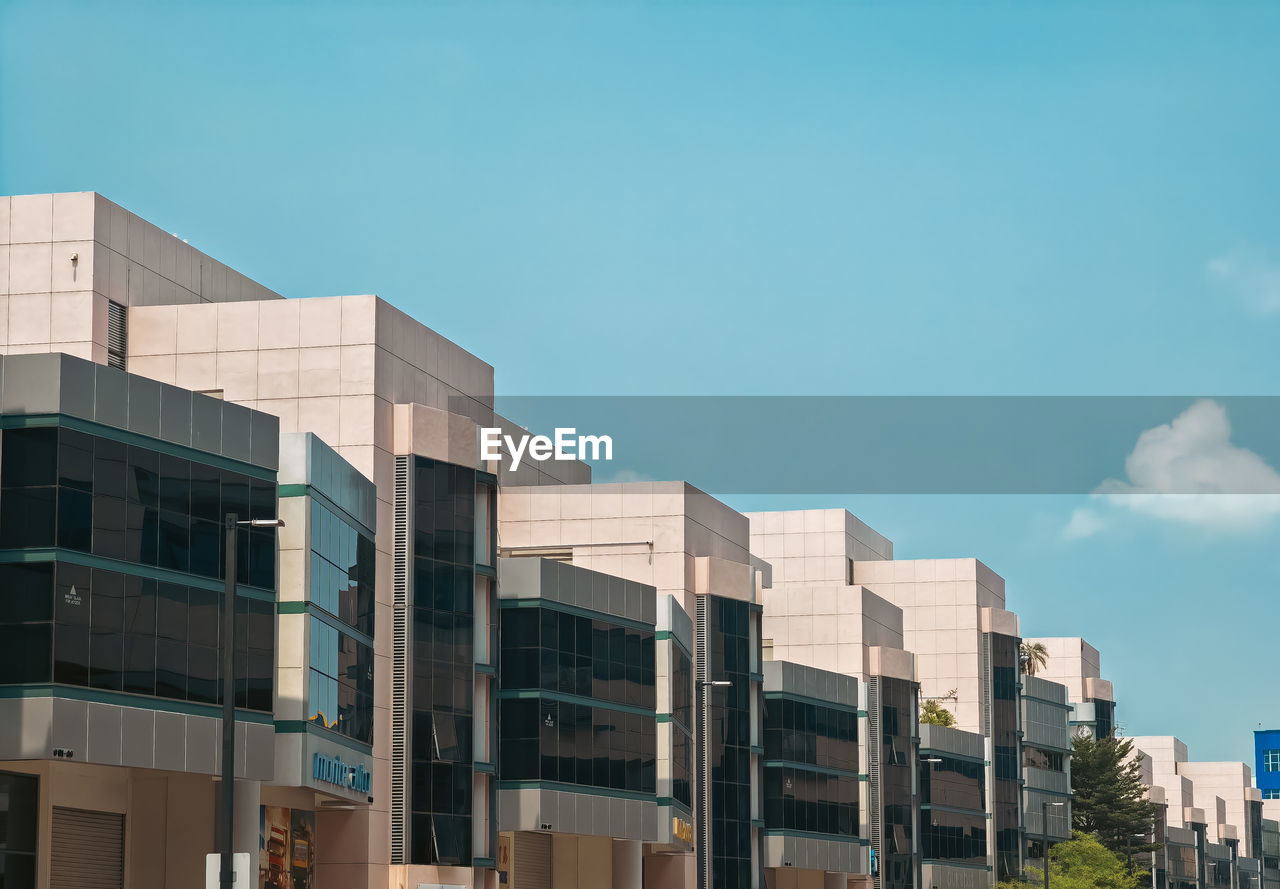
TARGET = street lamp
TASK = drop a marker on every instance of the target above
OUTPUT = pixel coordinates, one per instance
(1044, 828)
(1128, 847)
(226, 877)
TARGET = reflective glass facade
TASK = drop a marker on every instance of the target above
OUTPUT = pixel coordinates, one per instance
(19, 815)
(93, 494)
(340, 682)
(1004, 731)
(443, 656)
(811, 766)
(947, 833)
(152, 518)
(342, 560)
(897, 726)
(558, 651)
(578, 696)
(1181, 866)
(681, 725)
(728, 655)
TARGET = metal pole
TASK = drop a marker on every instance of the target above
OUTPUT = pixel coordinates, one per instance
(227, 876)
(1044, 828)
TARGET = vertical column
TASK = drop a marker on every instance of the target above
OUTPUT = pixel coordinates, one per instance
(248, 799)
(628, 868)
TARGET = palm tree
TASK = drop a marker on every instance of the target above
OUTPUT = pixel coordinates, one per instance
(1033, 656)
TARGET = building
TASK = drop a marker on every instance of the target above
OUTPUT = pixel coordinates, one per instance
(1266, 762)
(1076, 664)
(814, 831)
(451, 674)
(692, 550)
(112, 491)
(952, 618)
(1046, 765)
(579, 791)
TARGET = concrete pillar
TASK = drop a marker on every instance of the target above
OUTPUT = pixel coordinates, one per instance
(628, 864)
(247, 818)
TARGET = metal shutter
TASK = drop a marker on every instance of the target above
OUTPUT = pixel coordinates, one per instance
(117, 335)
(531, 860)
(87, 850)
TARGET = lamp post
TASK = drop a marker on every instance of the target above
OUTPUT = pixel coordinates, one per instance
(226, 876)
(1044, 831)
(705, 826)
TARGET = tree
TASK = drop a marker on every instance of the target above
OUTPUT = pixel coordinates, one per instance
(933, 713)
(1081, 863)
(1109, 799)
(1033, 656)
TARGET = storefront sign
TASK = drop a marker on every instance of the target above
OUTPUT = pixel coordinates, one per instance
(332, 770)
(681, 829)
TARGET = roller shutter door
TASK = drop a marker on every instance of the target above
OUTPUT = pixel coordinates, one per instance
(531, 860)
(87, 850)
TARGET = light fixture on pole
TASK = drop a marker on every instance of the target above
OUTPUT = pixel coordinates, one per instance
(226, 876)
(1044, 827)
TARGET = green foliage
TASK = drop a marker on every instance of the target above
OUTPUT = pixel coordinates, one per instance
(1083, 863)
(1032, 656)
(1109, 797)
(933, 713)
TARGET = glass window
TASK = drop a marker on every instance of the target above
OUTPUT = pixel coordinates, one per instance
(340, 684)
(1271, 761)
(19, 815)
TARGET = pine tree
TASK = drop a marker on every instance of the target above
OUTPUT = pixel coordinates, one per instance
(1109, 798)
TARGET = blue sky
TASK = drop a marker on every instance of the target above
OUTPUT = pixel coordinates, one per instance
(755, 198)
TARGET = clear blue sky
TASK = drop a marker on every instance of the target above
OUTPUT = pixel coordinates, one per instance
(755, 197)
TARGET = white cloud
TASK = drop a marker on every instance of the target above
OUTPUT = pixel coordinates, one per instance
(1252, 275)
(1189, 472)
(1084, 522)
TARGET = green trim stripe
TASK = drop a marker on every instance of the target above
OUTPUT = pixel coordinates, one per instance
(805, 699)
(956, 810)
(667, 634)
(947, 754)
(29, 421)
(297, 490)
(672, 802)
(305, 727)
(577, 610)
(577, 788)
(813, 835)
(125, 699)
(528, 693)
(808, 767)
(166, 575)
(943, 862)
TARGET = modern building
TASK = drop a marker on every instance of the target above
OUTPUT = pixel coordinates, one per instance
(112, 492)
(954, 815)
(449, 674)
(952, 617)
(1266, 762)
(1076, 664)
(1046, 766)
(693, 549)
(578, 754)
(815, 830)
